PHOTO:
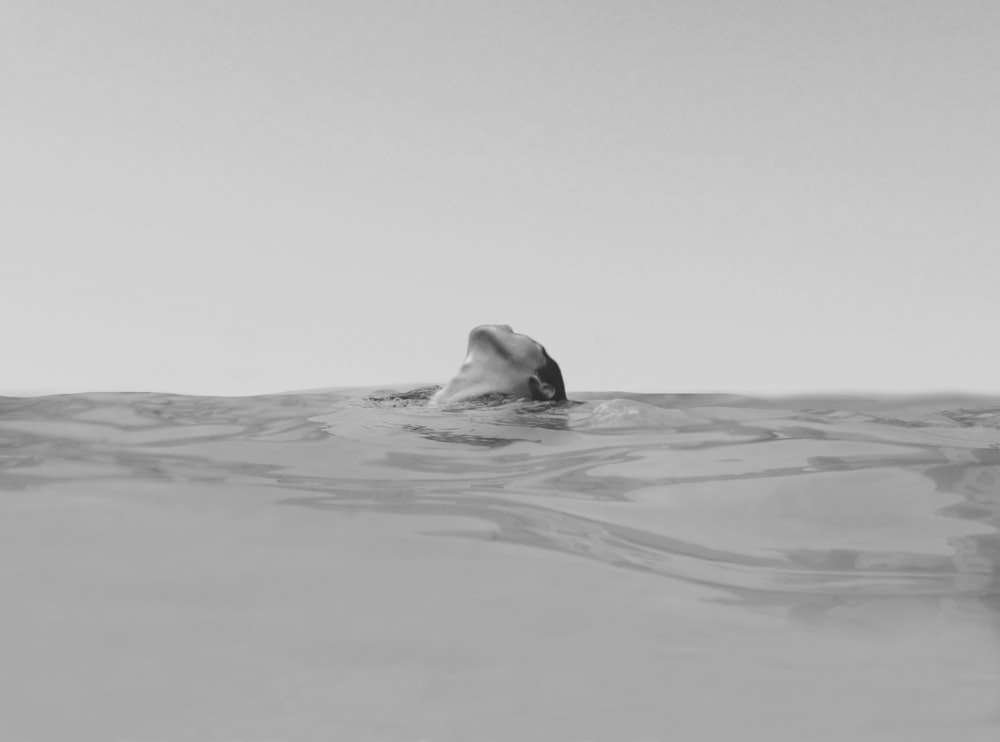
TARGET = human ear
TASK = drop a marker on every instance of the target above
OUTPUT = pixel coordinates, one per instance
(541, 389)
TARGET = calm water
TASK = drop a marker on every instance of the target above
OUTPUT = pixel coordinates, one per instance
(325, 566)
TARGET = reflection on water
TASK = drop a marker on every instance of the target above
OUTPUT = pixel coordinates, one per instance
(804, 541)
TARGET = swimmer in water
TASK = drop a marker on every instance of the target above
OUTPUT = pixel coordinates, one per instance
(502, 362)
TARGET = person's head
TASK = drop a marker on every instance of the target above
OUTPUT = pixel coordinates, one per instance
(501, 361)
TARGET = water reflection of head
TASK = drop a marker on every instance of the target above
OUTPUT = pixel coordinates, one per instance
(502, 362)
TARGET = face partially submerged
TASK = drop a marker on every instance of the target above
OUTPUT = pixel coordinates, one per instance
(501, 361)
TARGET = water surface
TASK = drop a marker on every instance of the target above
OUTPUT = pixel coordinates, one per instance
(358, 566)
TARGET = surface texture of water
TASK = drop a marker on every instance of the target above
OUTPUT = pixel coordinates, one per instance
(325, 566)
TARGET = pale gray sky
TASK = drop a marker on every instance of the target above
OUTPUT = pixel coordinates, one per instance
(235, 197)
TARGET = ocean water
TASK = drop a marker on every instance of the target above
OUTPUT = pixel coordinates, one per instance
(355, 565)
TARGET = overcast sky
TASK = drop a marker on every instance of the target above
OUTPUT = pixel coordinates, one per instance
(241, 197)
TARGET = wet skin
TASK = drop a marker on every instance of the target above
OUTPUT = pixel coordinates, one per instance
(498, 361)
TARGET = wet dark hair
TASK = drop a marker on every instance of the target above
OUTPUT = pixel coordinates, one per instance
(549, 373)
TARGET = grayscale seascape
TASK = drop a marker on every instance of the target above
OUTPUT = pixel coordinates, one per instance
(515, 200)
(350, 565)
